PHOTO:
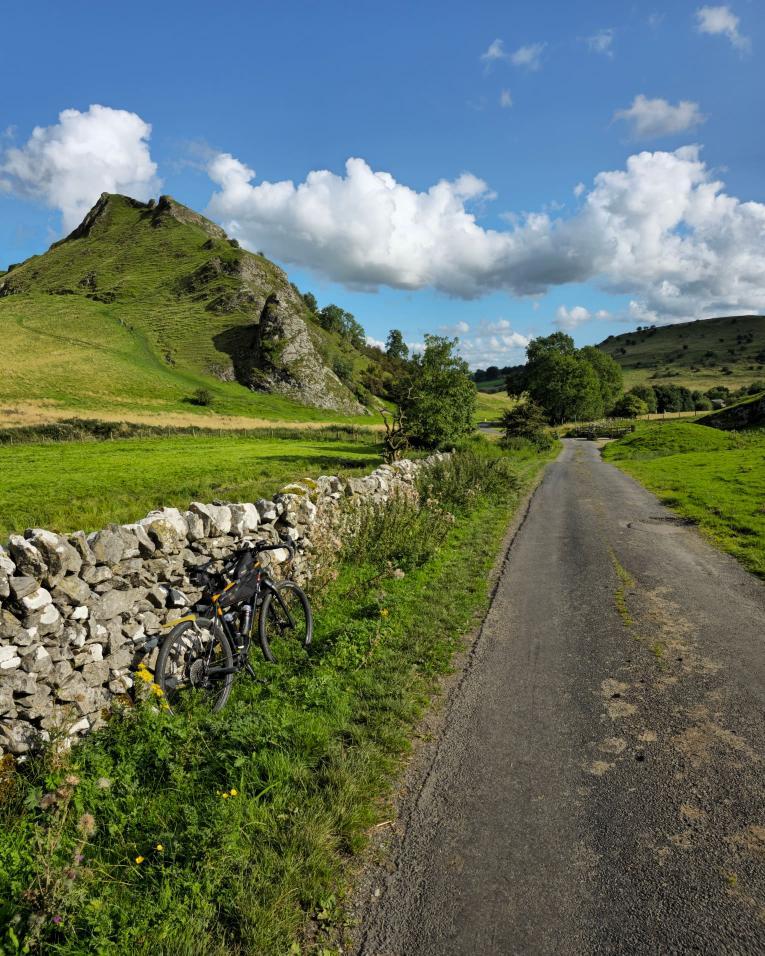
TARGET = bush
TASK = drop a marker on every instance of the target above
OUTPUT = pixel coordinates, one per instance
(399, 531)
(458, 481)
(202, 397)
(525, 420)
(342, 368)
(630, 406)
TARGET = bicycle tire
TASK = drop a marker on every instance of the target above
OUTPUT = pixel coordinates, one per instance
(175, 642)
(272, 616)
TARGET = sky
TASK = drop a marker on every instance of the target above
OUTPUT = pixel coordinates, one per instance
(491, 171)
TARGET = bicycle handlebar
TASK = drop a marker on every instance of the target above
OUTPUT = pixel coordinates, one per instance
(231, 564)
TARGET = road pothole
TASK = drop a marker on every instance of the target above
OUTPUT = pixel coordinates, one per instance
(662, 524)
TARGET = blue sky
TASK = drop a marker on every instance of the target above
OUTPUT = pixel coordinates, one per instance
(531, 100)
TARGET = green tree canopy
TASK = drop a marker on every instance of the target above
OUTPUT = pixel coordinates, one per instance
(609, 372)
(395, 346)
(569, 383)
(630, 406)
(335, 319)
(559, 379)
(647, 394)
(437, 396)
(525, 420)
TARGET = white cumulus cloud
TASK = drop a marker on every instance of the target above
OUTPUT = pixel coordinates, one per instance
(601, 42)
(662, 230)
(505, 99)
(459, 328)
(566, 318)
(570, 318)
(722, 20)
(529, 56)
(68, 165)
(495, 51)
(649, 119)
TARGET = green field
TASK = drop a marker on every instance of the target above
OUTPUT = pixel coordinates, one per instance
(699, 355)
(142, 853)
(66, 486)
(715, 478)
(97, 358)
(490, 407)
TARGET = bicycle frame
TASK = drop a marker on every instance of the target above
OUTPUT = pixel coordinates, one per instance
(240, 643)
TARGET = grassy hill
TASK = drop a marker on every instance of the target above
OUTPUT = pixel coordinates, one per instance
(728, 351)
(749, 413)
(146, 303)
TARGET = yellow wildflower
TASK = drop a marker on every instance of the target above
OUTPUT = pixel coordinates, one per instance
(233, 791)
(384, 612)
(157, 690)
(159, 847)
(139, 859)
(225, 796)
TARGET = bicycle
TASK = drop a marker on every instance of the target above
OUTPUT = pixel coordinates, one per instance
(205, 650)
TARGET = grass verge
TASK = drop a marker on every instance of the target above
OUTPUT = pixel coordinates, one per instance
(213, 834)
(715, 478)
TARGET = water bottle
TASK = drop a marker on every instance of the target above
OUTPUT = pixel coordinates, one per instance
(246, 620)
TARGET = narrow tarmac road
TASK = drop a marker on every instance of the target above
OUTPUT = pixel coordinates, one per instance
(599, 785)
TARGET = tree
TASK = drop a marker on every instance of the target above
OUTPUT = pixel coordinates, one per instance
(334, 319)
(561, 380)
(647, 394)
(630, 406)
(395, 346)
(609, 372)
(396, 440)
(310, 300)
(437, 395)
(515, 380)
(568, 383)
(526, 420)
(558, 342)
(673, 398)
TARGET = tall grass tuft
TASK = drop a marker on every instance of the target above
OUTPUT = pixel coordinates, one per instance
(400, 531)
(470, 474)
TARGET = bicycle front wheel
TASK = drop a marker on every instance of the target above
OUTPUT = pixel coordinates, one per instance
(285, 618)
(190, 663)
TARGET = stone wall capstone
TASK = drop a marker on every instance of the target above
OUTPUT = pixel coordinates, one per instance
(78, 612)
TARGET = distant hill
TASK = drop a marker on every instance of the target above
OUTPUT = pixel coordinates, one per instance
(146, 303)
(698, 354)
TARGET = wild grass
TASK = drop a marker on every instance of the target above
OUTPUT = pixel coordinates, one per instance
(232, 833)
(64, 486)
(715, 478)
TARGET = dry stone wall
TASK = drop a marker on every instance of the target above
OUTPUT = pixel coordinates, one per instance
(78, 612)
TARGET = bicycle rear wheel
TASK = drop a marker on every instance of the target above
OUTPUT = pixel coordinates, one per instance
(187, 660)
(285, 617)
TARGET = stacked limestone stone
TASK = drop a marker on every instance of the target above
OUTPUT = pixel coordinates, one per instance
(78, 611)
